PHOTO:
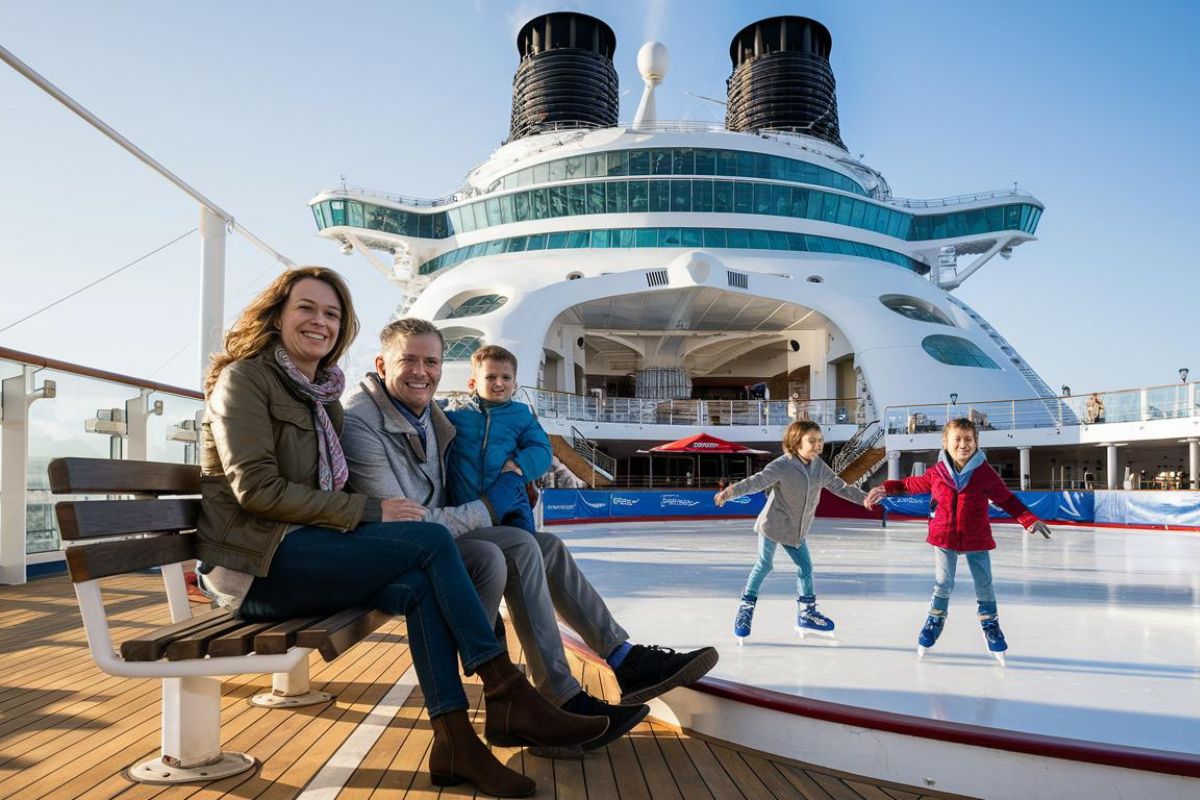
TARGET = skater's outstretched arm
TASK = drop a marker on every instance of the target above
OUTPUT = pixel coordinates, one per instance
(995, 490)
(758, 482)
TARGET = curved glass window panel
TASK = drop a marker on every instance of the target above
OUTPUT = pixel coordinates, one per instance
(616, 200)
(660, 196)
(639, 162)
(573, 167)
(460, 348)
(576, 204)
(474, 306)
(727, 163)
(558, 170)
(706, 162)
(674, 237)
(660, 162)
(596, 165)
(618, 163)
(915, 308)
(683, 161)
(639, 196)
(539, 204)
(723, 197)
(702, 196)
(558, 201)
(956, 351)
(595, 198)
(681, 195)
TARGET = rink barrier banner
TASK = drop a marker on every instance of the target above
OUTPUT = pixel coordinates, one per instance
(1149, 509)
(594, 505)
(1113, 508)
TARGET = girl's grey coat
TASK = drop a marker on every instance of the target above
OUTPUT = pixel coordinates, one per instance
(793, 489)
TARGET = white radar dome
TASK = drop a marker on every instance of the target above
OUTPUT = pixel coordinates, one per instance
(652, 61)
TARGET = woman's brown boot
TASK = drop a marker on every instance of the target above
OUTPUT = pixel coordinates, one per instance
(457, 755)
(518, 715)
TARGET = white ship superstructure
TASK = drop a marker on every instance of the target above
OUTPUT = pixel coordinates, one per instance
(662, 260)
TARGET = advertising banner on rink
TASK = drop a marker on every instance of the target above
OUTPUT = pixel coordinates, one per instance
(1149, 509)
(1049, 506)
(585, 504)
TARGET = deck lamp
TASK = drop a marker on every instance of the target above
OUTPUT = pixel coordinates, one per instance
(1066, 390)
(954, 398)
(1183, 373)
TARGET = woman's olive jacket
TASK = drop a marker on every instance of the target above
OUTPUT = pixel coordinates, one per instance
(258, 468)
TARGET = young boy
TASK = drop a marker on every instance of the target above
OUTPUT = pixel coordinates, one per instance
(494, 434)
(961, 484)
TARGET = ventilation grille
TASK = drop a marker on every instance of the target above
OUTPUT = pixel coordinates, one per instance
(738, 280)
(657, 277)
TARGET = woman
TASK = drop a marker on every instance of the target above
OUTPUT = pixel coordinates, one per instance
(279, 539)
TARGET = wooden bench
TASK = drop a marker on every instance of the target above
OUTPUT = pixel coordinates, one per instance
(108, 537)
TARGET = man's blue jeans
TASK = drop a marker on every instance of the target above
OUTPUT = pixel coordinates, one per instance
(945, 562)
(410, 568)
(766, 557)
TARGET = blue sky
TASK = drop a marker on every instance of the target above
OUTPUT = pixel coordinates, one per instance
(1090, 106)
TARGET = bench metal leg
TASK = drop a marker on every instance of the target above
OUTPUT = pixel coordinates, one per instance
(191, 736)
(291, 689)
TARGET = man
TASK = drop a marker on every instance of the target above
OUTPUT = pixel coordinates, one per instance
(395, 438)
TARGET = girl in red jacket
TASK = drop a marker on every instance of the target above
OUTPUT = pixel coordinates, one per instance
(961, 484)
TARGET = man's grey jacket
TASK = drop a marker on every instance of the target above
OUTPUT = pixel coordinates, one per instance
(385, 457)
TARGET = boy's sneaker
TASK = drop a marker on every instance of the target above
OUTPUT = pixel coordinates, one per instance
(647, 672)
(994, 637)
(930, 633)
(621, 720)
(809, 620)
(744, 618)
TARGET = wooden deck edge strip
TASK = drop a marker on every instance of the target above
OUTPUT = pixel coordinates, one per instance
(961, 733)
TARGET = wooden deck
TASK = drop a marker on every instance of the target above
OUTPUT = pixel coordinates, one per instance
(68, 730)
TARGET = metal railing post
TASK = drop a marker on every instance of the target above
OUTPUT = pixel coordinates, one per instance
(16, 396)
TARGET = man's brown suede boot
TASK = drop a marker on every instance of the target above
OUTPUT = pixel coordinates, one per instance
(457, 755)
(518, 715)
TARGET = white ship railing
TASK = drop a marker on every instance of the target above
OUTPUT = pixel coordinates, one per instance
(54, 409)
(1169, 401)
(999, 194)
(706, 413)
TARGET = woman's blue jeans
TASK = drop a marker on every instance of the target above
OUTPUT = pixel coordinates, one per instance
(409, 568)
(945, 563)
(766, 557)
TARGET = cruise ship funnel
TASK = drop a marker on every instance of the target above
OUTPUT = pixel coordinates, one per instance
(782, 79)
(566, 78)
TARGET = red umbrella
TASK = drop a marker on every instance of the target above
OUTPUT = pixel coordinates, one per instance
(699, 444)
(703, 443)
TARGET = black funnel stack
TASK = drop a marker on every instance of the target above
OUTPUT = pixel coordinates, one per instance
(782, 79)
(566, 78)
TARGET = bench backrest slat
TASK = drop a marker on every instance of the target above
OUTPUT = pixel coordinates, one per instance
(88, 519)
(105, 559)
(106, 476)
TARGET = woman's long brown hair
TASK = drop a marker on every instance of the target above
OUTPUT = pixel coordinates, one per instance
(255, 331)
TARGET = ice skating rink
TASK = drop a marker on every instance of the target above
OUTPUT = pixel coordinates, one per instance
(1103, 625)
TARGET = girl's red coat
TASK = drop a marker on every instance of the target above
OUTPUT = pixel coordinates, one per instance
(959, 520)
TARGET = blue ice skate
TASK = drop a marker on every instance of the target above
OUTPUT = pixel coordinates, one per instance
(994, 638)
(930, 633)
(744, 618)
(809, 621)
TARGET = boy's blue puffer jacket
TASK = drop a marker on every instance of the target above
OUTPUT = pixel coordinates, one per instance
(487, 436)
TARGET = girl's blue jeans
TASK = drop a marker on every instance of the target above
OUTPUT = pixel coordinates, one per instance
(409, 568)
(766, 557)
(945, 562)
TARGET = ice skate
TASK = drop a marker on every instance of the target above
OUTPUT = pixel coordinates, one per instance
(810, 622)
(744, 618)
(994, 638)
(930, 633)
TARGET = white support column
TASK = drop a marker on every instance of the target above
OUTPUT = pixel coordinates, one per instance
(1024, 468)
(893, 459)
(212, 286)
(16, 396)
(291, 689)
(1193, 463)
(191, 736)
(137, 423)
(1111, 468)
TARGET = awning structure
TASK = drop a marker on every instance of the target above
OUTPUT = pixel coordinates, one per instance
(703, 444)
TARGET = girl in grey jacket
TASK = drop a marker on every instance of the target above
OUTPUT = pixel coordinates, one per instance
(794, 482)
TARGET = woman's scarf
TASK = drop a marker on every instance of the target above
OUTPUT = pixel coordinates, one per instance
(331, 381)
